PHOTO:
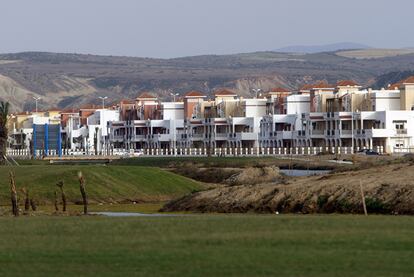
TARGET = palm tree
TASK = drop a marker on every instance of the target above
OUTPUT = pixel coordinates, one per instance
(4, 112)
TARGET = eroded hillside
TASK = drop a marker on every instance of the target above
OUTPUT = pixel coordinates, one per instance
(69, 80)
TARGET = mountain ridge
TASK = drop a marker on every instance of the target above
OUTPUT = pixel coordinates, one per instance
(71, 80)
(332, 47)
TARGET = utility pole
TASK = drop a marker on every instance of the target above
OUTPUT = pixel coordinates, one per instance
(352, 125)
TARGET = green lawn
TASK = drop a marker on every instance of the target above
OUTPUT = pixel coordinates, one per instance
(208, 245)
(104, 183)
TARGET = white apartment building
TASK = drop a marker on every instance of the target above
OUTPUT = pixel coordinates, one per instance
(323, 116)
(98, 129)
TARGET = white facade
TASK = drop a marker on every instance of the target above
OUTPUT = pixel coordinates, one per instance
(385, 100)
(172, 110)
(97, 128)
(298, 104)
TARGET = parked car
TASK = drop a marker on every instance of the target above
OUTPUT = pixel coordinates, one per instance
(368, 152)
(371, 153)
(136, 153)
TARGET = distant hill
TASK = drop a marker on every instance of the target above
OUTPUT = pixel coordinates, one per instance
(374, 53)
(322, 48)
(72, 80)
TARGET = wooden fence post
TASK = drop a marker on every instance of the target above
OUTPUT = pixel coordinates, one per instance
(13, 194)
(63, 195)
(26, 199)
(56, 202)
(83, 192)
(363, 199)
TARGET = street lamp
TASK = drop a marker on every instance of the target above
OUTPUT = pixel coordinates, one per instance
(352, 126)
(36, 99)
(103, 100)
(174, 95)
(256, 90)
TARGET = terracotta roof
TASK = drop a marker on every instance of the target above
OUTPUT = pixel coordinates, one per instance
(409, 80)
(194, 93)
(306, 87)
(127, 101)
(279, 89)
(146, 95)
(224, 92)
(395, 86)
(346, 83)
(70, 111)
(89, 107)
(321, 84)
(23, 113)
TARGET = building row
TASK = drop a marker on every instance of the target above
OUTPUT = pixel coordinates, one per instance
(321, 115)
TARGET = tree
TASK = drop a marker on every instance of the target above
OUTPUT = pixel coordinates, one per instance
(4, 112)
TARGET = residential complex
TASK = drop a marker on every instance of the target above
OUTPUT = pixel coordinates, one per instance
(317, 117)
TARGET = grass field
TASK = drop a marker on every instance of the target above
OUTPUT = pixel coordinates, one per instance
(208, 245)
(104, 183)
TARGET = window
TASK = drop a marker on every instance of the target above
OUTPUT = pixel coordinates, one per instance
(399, 124)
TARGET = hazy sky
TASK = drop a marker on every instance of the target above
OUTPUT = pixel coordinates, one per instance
(172, 28)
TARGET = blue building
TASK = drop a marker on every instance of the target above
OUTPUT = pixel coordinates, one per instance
(47, 139)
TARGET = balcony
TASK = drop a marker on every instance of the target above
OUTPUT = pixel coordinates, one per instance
(160, 137)
(248, 136)
(197, 137)
(138, 137)
(318, 133)
(374, 133)
(221, 136)
(302, 133)
(118, 138)
(331, 133)
(243, 136)
(285, 135)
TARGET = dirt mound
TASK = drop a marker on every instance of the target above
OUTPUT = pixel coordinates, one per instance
(388, 189)
(255, 175)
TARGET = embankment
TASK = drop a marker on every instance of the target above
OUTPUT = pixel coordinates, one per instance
(106, 184)
(388, 189)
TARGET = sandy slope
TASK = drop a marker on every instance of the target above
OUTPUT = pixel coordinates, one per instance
(388, 189)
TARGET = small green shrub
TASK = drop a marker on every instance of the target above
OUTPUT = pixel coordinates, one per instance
(344, 206)
(321, 201)
(376, 206)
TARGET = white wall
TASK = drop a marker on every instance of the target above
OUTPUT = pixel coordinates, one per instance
(254, 107)
(298, 104)
(386, 100)
(408, 116)
(101, 118)
(173, 110)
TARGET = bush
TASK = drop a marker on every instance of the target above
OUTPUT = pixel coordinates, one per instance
(344, 206)
(322, 200)
(376, 206)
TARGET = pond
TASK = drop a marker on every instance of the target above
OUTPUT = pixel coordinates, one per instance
(303, 172)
